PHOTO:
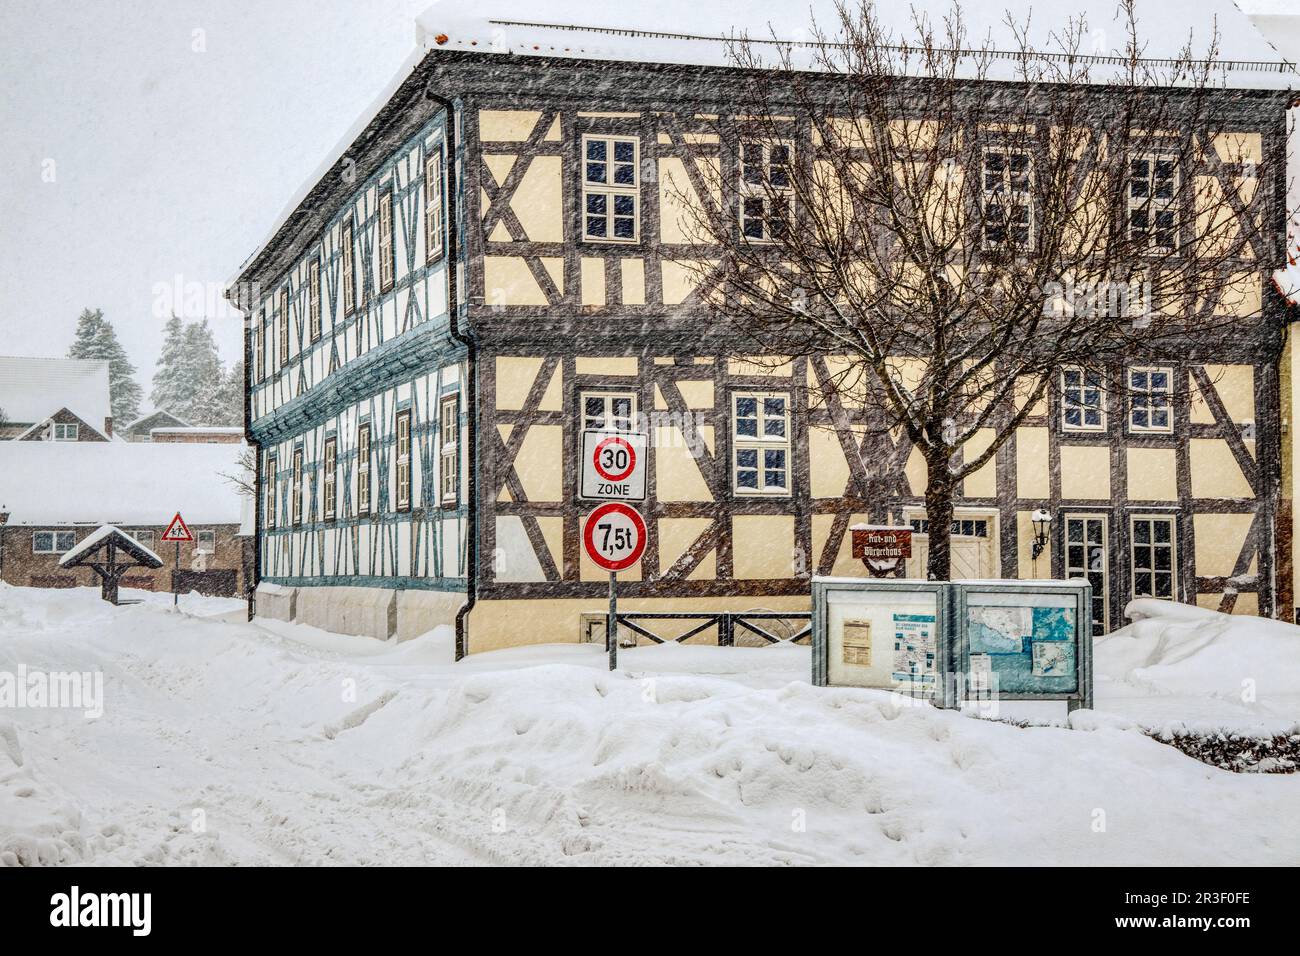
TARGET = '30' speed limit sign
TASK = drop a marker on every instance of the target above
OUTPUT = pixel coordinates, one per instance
(614, 536)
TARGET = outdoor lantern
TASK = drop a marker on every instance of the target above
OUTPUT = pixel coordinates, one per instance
(1042, 521)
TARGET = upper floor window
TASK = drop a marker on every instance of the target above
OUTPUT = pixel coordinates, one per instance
(283, 345)
(268, 483)
(313, 298)
(1152, 211)
(53, 542)
(765, 186)
(259, 346)
(363, 470)
(433, 203)
(610, 183)
(386, 239)
(1083, 400)
(329, 496)
(608, 411)
(66, 432)
(207, 543)
(349, 269)
(403, 429)
(761, 443)
(1150, 400)
(449, 454)
(295, 490)
(1008, 209)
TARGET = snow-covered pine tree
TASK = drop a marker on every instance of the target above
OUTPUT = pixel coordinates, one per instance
(95, 338)
(170, 394)
(232, 394)
(201, 375)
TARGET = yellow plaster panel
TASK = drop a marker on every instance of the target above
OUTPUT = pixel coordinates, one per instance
(508, 281)
(1215, 473)
(1028, 567)
(1236, 387)
(1152, 474)
(679, 280)
(982, 484)
(1218, 542)
(677, 475)
(593, 281)
(762, 546)
(553, 398)
(633, 281)
(606, 364)
(499, 164)
(1032, 463)
(828, 471)
(696, 393)
(916, 471)
(539, 463)
(506, 125)
(538, 203)
(514, 378)
(759, 365)
(1085, 472)
(678, 534)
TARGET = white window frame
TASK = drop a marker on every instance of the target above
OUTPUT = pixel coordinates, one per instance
(259, 346)
(1151, 204)
(269, 481)
(283, 344)
(762, 190)
(433, 201)
(346, 234)
(295, 490)
(606, 397)
(65, 431)
(59, 543)
(1073, 570)
(387, 264)
(363, 469)
(211, 537)
(1067, 404)
(402, 448)
(313, 300)
(329, 479)
(449, 450)
(1006, 190)
(760, 444)
(611, 191)
(1133, 545)
(1148, 393)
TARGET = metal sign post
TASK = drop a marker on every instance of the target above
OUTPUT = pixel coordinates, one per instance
(614, 537)
(177, 531)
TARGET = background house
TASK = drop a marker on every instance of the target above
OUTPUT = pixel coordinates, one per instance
(54, 494)
(55, 399)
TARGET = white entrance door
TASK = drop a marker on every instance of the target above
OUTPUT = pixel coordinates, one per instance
(973, 552)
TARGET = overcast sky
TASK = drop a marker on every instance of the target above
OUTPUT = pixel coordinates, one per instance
(150, 140)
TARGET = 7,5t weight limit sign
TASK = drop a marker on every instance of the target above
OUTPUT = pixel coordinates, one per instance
(614, 536)
(613, 466)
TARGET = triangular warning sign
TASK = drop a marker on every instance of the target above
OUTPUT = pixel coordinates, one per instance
(178, 530)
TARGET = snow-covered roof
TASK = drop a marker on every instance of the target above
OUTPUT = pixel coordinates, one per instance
(198, 430)
(120, 483)
(690, 32)
(32, 389)
(695, 33)
(92, 540)
(156, 413)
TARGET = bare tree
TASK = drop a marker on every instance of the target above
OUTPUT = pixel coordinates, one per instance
(957, 240)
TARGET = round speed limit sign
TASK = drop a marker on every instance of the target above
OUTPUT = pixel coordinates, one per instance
(614, 536)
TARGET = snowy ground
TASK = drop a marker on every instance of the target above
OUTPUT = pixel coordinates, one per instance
(223, 742)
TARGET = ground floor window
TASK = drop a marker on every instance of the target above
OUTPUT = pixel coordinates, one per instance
(1086, 558)
(608, 411)
(449, 449)
(207, 541)
(1153, 543)
(145, 538)
(53, 542)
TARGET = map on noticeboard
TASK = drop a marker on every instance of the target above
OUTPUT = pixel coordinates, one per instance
(915, 647)
(1030, 648)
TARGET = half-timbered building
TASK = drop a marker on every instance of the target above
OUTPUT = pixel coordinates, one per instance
(495, 261)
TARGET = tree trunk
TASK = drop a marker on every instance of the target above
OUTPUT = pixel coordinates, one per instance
(939, 490)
